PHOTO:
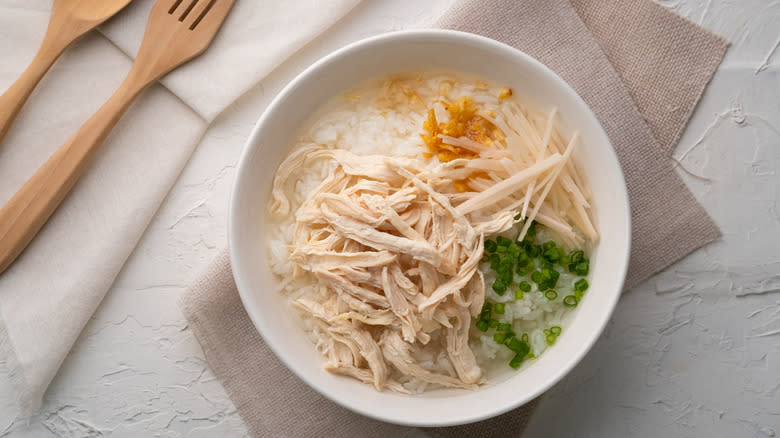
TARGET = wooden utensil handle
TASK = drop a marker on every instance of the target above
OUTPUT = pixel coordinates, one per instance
(31, 206)
(13, 99)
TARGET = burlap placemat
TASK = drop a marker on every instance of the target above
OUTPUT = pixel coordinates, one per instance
(640, 67)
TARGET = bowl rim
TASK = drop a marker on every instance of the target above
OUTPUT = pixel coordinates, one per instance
(243, 168)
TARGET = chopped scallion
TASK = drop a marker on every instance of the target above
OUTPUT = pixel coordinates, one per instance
(516, 361)
(534, 263)
(570, 301)
(495, 261)
(486, 313)
(576, 256)
(582, 268)
(499, 287)
(518, 346)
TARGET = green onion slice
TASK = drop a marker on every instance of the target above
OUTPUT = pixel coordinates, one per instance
(570, 301)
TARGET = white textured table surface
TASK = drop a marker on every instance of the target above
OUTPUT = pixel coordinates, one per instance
(694, 351)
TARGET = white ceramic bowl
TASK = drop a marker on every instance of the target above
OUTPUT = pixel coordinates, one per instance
(419, 50)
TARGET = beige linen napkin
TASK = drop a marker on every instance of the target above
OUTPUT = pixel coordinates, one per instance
(257, 36)
(640, 67)
(53, 289)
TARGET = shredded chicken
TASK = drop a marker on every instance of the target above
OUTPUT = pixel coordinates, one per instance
(394, 243)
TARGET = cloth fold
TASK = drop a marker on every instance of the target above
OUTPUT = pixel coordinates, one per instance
(54, 287)
(52, 290)
(642, 80)
(256, 37)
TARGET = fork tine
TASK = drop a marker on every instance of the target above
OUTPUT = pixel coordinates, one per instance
(213, 17)
(187, 10)
(173, 7)
(198, 12)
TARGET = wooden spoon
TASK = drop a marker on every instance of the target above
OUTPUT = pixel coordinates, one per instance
(69, 20)
(177, 31)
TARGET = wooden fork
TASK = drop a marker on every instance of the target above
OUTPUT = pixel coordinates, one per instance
(70, 19)
(177, 31)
